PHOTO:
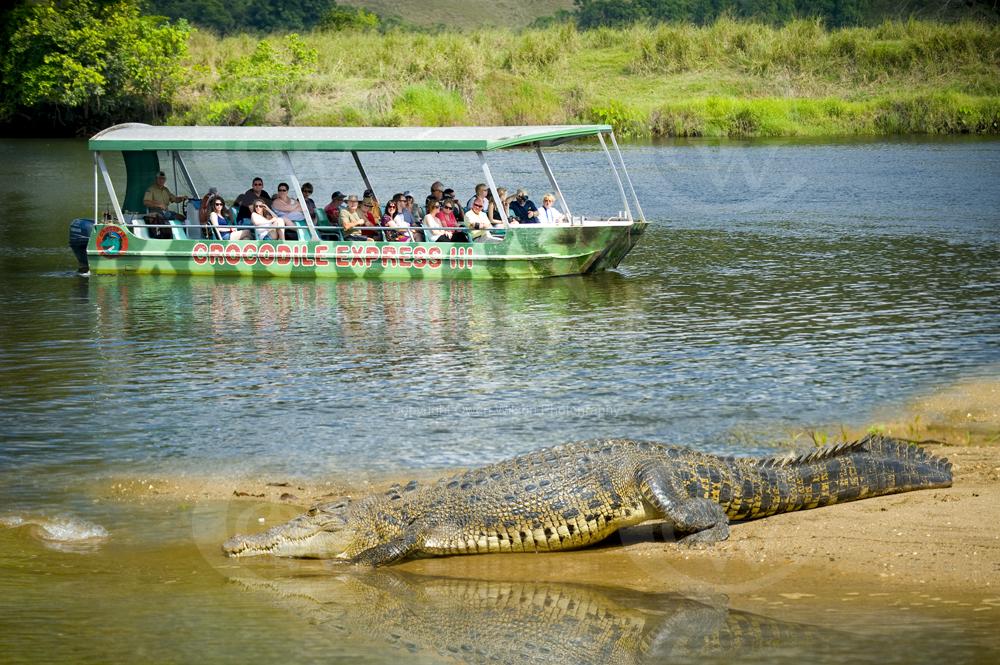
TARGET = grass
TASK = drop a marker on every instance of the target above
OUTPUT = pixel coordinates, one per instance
(457, 16)
(730, 78)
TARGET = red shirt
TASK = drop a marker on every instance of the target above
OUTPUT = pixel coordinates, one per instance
(447, 217)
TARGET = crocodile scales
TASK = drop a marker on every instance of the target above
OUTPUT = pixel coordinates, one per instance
(571, 496)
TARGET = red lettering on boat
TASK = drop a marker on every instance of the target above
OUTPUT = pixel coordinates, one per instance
(199, 253)
(389, 256)
(215, 254)
(405, 252)
(284, 254)
(321, 251)
(249, 254)
(357, 255)
(419, 254)
(340, 253)
(435, 257)
(232, 254)
(265, 254)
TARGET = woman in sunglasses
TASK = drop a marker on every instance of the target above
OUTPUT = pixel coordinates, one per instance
(222, 219)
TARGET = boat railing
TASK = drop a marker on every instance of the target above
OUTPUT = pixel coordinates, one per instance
(140, 225)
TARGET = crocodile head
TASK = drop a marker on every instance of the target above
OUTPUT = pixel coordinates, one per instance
(324, 532)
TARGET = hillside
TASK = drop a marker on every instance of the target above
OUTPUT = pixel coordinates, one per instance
(464, 15)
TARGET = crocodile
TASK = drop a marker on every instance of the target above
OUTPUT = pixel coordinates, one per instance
(570, 496)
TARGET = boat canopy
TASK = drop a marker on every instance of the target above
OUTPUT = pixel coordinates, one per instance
(140, 137)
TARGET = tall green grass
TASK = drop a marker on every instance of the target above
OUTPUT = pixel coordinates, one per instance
(730, 78)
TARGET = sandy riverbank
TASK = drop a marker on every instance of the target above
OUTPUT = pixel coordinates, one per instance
(935, 547)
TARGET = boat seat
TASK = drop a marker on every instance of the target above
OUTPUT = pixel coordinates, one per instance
(177, 229)
(326, 230)
(139, 226)
(303, 229)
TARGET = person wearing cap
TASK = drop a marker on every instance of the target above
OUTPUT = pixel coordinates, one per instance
(351, 219)
(437, 190)
(157, 200)
(549, 214)
(371, 214)
(334, 207)
(478, 223)
(524, 208)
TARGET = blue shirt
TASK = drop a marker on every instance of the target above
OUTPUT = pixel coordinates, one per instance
(521, 210)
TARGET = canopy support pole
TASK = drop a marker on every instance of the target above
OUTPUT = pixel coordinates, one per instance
(187, 175)
(111, 189)
(97, 192)
(361, 170)
(621, 160)
(618, 179)
(552, 180)
(493, 189)
(299, 196)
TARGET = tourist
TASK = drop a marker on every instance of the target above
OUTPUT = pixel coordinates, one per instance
(449, 199)
(481, 190)
(221, 217)
(524, 208)
(286, 206)
(479, 224)
(393, 219)
(255, 192)
(415, 208)
(268, 225)
(369, 207)
(157, 200)
(332, 211)
(549, 214)
(437, 191)
(446, 218)
(307, 190)
(432, 225)
(493, 210)
(351, 220)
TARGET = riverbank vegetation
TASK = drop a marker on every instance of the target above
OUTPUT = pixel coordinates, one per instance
(730, 77)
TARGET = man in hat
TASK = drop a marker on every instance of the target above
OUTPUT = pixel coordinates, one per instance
(524, 208)
(335, 205)
(157, 200)
(351, 219)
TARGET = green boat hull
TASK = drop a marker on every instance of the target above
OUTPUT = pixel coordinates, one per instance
(526, 252)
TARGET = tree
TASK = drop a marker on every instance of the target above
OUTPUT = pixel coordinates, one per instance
(251, 86)
(88, 63)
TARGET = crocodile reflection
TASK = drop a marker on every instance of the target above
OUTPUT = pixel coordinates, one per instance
(462, 620)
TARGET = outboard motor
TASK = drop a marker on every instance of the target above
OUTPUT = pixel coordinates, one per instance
(79, 235)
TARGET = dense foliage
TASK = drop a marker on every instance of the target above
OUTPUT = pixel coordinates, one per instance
(263, 16)
(84, 64)
(836, 13)
(252, 88)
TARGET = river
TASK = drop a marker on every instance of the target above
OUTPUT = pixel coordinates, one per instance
(782, 287)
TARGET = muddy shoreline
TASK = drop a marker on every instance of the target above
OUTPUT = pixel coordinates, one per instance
(933, 548)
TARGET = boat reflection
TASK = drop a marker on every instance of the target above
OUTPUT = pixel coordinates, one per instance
(437, 619)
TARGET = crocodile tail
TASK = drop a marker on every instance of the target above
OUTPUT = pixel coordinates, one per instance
(873, 466)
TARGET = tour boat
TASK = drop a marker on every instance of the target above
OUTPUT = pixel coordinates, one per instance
(119, 240)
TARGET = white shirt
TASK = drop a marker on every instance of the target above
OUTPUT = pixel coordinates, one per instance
(479, 219)
(550, 215)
